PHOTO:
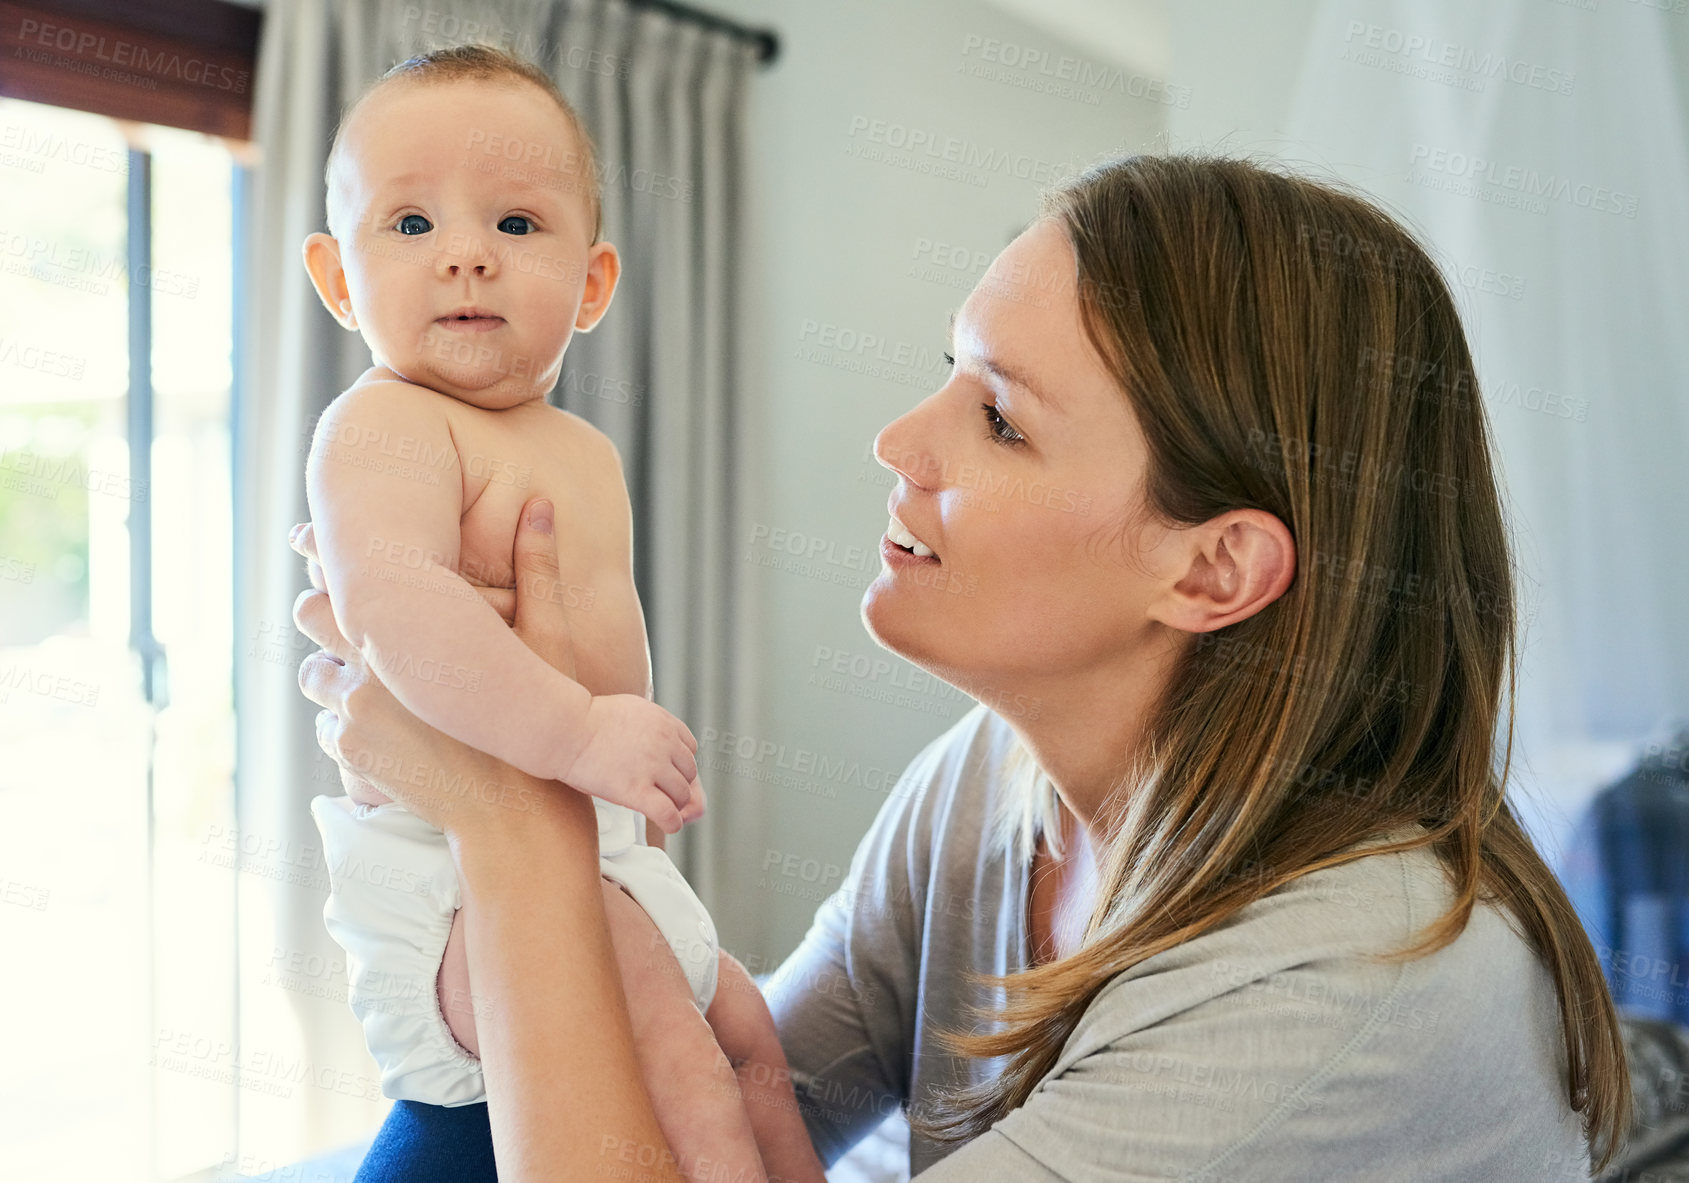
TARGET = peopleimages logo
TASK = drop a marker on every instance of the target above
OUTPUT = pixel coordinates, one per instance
(50, 145)
(1061, 75)
(119, 52)
(970, 160)
(1463, 59)
(1528, 183)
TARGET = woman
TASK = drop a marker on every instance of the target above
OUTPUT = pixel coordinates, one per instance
(1213, 467)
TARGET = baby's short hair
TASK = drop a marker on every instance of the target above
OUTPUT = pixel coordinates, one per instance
(484, 62)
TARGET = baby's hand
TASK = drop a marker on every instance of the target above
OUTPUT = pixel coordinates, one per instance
(640, 756)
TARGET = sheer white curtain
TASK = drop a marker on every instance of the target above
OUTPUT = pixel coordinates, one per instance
(663, 99)
(1561, 218)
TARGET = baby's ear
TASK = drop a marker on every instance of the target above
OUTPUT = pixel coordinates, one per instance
(322, 261)
(603, 269)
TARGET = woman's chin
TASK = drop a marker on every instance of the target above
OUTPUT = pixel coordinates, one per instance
(881, 614)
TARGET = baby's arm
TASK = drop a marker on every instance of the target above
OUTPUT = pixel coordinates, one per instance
(388, 543)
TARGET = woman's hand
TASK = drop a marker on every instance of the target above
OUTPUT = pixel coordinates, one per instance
(373, 737)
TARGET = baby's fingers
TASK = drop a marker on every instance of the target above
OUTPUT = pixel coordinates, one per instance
(675, 786)
(662, 813)
(686, 765)
(687, 737)
(695, 810)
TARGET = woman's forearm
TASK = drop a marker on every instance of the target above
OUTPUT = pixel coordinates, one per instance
(563, 1086)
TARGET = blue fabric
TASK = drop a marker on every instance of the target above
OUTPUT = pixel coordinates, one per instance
(430, 1144)
(1627, 873)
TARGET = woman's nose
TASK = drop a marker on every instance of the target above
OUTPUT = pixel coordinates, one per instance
(900, 447)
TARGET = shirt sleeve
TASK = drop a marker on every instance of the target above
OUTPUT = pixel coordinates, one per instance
(844, 1002)
(1134, 1106)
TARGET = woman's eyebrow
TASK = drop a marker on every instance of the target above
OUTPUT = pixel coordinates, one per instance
(1008, 373)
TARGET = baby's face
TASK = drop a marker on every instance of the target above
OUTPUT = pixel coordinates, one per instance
(464, 231)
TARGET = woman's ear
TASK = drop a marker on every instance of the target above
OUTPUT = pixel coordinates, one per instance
(322, 262)
(603, 269)
(1232, 566)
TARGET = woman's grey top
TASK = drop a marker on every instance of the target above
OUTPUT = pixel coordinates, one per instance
(1272, 1048)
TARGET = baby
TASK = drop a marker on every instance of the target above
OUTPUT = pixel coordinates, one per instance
(467, 269)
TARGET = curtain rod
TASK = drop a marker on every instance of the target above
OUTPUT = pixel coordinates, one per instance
(767, 42)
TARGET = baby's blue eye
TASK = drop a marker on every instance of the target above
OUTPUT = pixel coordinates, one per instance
(516, 224)
(414, 224)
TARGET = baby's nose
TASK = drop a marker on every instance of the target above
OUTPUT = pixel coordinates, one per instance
(472, 256)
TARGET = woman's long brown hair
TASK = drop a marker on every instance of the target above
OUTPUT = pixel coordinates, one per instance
(1288, 347)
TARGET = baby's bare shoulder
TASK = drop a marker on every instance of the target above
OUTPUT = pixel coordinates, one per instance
(590, 454)
(390, 402)
(581, 433)
(381, 427)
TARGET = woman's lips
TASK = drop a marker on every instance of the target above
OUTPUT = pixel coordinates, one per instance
(470, 324)
(897, 556)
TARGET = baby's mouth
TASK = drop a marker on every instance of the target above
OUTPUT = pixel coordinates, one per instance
(470, 321)
(470, 318)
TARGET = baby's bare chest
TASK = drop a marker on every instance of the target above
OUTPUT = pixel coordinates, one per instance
(504, 466)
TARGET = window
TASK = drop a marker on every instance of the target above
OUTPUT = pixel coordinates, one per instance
(115, 646)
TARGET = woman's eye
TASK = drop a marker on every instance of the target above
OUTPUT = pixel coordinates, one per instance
(516, 224)
(414, 224)
(948, 360)
(998, 427)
